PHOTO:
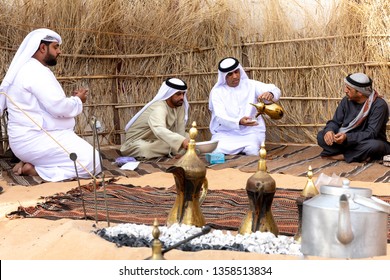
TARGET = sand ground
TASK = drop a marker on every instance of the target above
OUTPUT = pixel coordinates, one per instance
(66, 239)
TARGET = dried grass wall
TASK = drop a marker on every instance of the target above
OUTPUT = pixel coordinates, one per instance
(122, 50)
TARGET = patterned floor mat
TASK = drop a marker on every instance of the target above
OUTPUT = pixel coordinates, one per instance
(282, 159)
(222, 209)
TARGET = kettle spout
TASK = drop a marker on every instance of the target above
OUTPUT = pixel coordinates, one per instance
(344, 229)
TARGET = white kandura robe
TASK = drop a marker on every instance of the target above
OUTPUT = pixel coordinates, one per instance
(38, 93)
(158, 131)
(228, 105)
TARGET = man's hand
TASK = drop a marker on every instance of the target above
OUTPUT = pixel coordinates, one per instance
(339, 138)
(266, 95)
(329, 138)
(185, 143)
(248, 121)
(82, 94)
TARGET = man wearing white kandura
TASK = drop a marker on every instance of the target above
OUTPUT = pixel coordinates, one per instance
(233, 121)
(41, 118)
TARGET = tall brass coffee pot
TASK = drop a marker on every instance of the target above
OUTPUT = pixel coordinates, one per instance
(191, 186)
(260, 188)
(273, 110)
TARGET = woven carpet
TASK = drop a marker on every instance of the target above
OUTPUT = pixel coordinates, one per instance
(222, 209)
(282, 159)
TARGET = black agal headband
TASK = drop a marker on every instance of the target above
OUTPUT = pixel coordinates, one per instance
(355, 83)
(228, 64)
(171, 83)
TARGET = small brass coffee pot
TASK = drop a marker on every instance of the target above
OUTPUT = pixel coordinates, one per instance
(156, 243)
(308, 192)
(260, 188)
(190, 178)
(273, 110)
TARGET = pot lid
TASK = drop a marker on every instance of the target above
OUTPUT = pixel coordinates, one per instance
(345, 189)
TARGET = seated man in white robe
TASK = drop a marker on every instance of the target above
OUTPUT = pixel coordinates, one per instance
(233, 122)
(158, 129)
(41, 118)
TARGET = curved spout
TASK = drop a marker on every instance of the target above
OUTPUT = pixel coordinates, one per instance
(259, 107)
(344, 228)
(273, 110)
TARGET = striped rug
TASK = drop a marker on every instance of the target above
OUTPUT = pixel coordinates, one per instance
(222, 209)
(281, 159)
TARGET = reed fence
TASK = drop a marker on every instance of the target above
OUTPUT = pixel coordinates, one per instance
(123, 50)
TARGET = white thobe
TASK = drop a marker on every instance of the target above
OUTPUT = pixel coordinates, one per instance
(37, 101)
(228, 105)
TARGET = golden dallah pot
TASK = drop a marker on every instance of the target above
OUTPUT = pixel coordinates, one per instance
(273, 110)
(260, 188)
(191, 186)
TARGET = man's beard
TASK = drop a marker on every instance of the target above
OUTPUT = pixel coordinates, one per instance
(178, 103)
(50, 60)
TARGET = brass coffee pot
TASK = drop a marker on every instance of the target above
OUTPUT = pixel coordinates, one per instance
(308, 192)
(190, 178)
(273, 110)
(260, 188)
(156, 243)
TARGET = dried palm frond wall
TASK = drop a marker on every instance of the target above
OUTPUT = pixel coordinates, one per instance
(122, 51)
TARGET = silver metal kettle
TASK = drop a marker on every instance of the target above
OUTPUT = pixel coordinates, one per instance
(344, 222)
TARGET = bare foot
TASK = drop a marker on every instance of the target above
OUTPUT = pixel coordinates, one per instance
(18, 168)
(335, 157)
(29, 169)
(22, 168)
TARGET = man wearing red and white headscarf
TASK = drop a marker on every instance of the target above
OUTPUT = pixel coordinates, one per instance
(158, 129)
(233, 121)
(357, 131)
(41, 118)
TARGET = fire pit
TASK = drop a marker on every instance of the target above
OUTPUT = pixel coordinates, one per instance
(133, 235)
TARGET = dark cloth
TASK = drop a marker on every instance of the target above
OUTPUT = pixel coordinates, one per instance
(365, 142)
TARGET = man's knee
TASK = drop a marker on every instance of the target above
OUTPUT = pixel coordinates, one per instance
(320, 139)
(377, 148)
(251, 150)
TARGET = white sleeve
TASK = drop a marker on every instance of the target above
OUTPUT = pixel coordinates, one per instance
(263, 87)
(220, 118)
(51, 96)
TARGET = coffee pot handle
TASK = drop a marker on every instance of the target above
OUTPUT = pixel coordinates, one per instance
(205, 187)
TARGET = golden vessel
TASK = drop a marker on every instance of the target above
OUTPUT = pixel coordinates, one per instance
(310, 189)
(260, 188)
(156, 244)
(308, 192)
(191, 186)
(273, 110)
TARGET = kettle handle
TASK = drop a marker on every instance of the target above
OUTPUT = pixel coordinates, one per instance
(372, 202)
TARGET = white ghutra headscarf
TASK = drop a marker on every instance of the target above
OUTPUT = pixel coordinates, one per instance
(168, 88)
(25, 51)
(226, 66)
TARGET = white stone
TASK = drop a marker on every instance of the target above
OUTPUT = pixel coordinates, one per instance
(259, 242)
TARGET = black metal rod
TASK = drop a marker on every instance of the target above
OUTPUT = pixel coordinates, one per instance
(206, 229)
(94, 169)
(73, 157)
(96, 135)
